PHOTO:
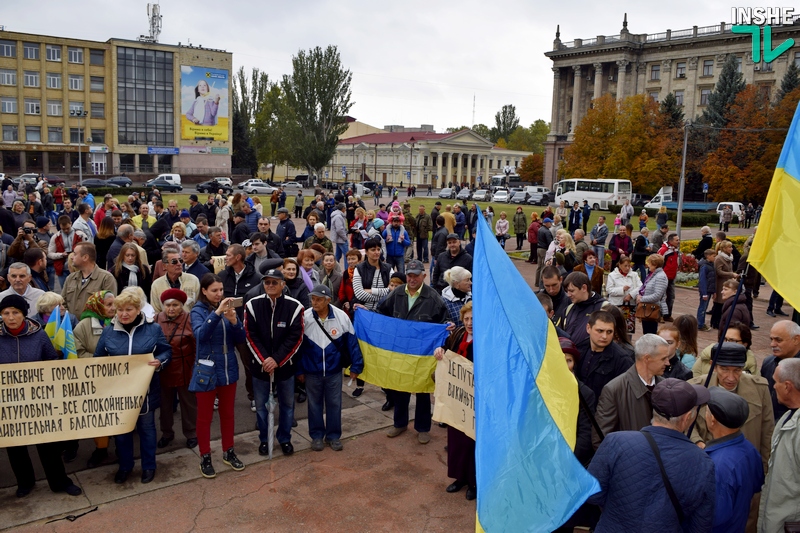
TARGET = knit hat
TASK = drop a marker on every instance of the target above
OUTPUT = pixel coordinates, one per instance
(16, 301)
(185, 214)
(42, 222)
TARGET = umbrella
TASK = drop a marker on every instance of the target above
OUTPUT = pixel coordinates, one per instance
(271, 410)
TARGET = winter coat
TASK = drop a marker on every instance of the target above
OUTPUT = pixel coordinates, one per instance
(395, 247)
(707, 279)
(424, 226)
(615, 283)
(640, 251)
(738, 310)
(670, 260)
(520, 222)
(706, 243)
(723, 269)
(179, 335)
(533, 232)
(501, 226)
(145, 337)
(596, 279)
(779, 497)
(216, 338)
(333, 281)
(298, 290)
(240, 233)
(29, 346)
(444, 262)
(577, 316)
(439, 242)
(338, 227)
(320, 356)
(632, 492)
(274, 329)
(596, 369)
(144, 279)
(656, 289)
(624, 404)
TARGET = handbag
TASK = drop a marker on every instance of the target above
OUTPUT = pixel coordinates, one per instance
(344, 353)
(648, 311)
(204, 375)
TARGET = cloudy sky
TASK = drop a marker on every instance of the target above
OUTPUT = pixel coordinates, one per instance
(413, 62)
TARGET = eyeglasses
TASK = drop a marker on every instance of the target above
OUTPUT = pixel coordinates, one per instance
(175, 262)
(272, 282)
(737, 341)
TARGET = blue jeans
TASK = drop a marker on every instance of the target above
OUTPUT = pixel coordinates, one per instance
(601, 255)
(146, 426)
(341, 252)
(261, 392)
(701, 312)
(398, 262)
(422, 412)
(324, 392)
(422, 249)
(433, 265)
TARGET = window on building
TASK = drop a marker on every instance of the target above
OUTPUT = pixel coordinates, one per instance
(30, 51)
(75, 82)
(738, 64)
(31, 78)
(33, 134)
(654, 95)
(765, 67)
(8, 49)
(98, 136)
(97, 57)
(766, 92)
(76, 135)
(97, 83)
(32, 106)
(680, 70)
(10, 133)
(53, 52)
(8, 104)
(98, 110)
(75, 55)
(655, 72)
(8, 77)
(145, 97)
(53, 80)
(704, 94)
(679, 97)
(76, 107)
(55, 135)
(54, 108)
(708, 67)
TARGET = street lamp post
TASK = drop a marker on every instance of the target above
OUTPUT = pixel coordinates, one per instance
(79, 114)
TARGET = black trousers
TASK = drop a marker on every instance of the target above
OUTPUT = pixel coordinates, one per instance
(49, 455)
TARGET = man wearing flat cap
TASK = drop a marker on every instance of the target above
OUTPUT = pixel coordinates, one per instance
(634, 469)
(737, 463)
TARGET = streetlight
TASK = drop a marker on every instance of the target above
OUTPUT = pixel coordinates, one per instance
(79, 113)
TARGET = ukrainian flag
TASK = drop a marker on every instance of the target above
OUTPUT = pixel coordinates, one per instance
(398, 354)
(526, 403)
(775, 246)
(66, 337)
(52, 326)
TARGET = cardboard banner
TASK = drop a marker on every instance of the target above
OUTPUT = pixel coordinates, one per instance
(68, 399)
(455, 393)
(219, 263)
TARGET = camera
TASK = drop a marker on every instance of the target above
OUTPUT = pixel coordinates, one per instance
(28, 230)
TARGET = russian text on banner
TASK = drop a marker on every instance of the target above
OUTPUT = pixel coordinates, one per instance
(68, 399)
(526, 404)
(455, 393)
(777, 241)
(398, 354)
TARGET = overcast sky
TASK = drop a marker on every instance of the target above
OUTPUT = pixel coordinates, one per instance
(413, 62)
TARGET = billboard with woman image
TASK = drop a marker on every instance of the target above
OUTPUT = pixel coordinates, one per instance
(204, 103)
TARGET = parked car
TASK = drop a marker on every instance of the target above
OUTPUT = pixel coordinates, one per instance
(174, 179)
(25, 178)
(163, 184)
(501, 195)
(447, 192)
(464, 194)
(212, 186)
(122, 181)
(520, 197)
(371, 185)
(537, 198)
(247, 182)
(292, 185)
(481, 195)
(96, 183)
(223, 180)
(55, 180)
(259, 188)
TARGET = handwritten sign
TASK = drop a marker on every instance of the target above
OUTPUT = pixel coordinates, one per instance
(455, 393)
(68, 399)
(219, 263)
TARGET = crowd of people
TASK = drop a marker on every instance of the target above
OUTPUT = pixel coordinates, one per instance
(222, 287)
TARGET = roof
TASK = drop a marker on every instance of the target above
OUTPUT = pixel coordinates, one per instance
(398, 137)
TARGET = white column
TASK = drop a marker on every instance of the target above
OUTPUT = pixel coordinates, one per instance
(449, 176)
(622, 78)
(598, 80)
(576, 95)
(439, 156)
(458, 168)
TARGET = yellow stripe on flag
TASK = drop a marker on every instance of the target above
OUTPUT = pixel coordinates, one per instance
(558, 388)
(397, 371)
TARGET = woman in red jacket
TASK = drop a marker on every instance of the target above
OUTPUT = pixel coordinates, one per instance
(533, 236)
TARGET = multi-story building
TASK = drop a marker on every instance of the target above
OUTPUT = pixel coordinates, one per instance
(686, 63)
(119, 106)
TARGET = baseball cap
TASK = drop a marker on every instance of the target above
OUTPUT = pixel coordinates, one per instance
(453, 236)
(415, 267)
(321, 290)
(246, 243)
(272, 273)
(730, 410)
(548, 219)
(675, 397)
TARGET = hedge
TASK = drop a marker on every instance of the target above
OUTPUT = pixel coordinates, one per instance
(690, 218)
(689, 246)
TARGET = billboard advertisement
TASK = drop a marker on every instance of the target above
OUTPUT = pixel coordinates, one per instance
(204, 103)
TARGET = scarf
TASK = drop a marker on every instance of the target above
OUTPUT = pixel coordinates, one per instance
(464, 344)
(307, 279)
(646, 281)
(95, 308)
(458, 294)
(133, 279)
(725, 256)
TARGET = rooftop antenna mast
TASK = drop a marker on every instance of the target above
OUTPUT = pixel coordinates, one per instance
(473, 110)
(154, 16)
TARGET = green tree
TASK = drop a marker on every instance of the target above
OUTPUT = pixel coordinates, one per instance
(275, 129)
(482, 130)
(453, 130)
(244, 156)
(730, 83)
(790, 81)
(506, 121)
(319, 97)
(248, 95)
(530, 139)
(671, 112)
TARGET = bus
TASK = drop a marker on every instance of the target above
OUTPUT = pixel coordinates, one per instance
(501, 181)
(599, 193)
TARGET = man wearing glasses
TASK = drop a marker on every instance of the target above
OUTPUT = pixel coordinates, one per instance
(175, 278)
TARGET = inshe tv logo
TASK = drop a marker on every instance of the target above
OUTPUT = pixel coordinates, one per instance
(752, 19)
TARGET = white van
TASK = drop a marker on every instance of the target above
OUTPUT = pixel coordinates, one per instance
(174, 179)
(531, 189)
(738, 208)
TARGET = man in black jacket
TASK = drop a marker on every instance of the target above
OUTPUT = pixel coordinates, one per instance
(196, 208)
(545, 237)
(453, 256)
(584, 303)
(273, 324)
(601, 359)
(418, 302)
(438, 241)
(551, 279)
(215, 248)
(240, 231)
(271, 239)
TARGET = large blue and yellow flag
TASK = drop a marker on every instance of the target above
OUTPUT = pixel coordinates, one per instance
(526, 404)
(775, 247)
(398, 354)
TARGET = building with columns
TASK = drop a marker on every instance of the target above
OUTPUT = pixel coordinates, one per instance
(686, 63)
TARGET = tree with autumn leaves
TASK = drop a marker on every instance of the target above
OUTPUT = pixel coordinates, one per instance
(624, 140)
